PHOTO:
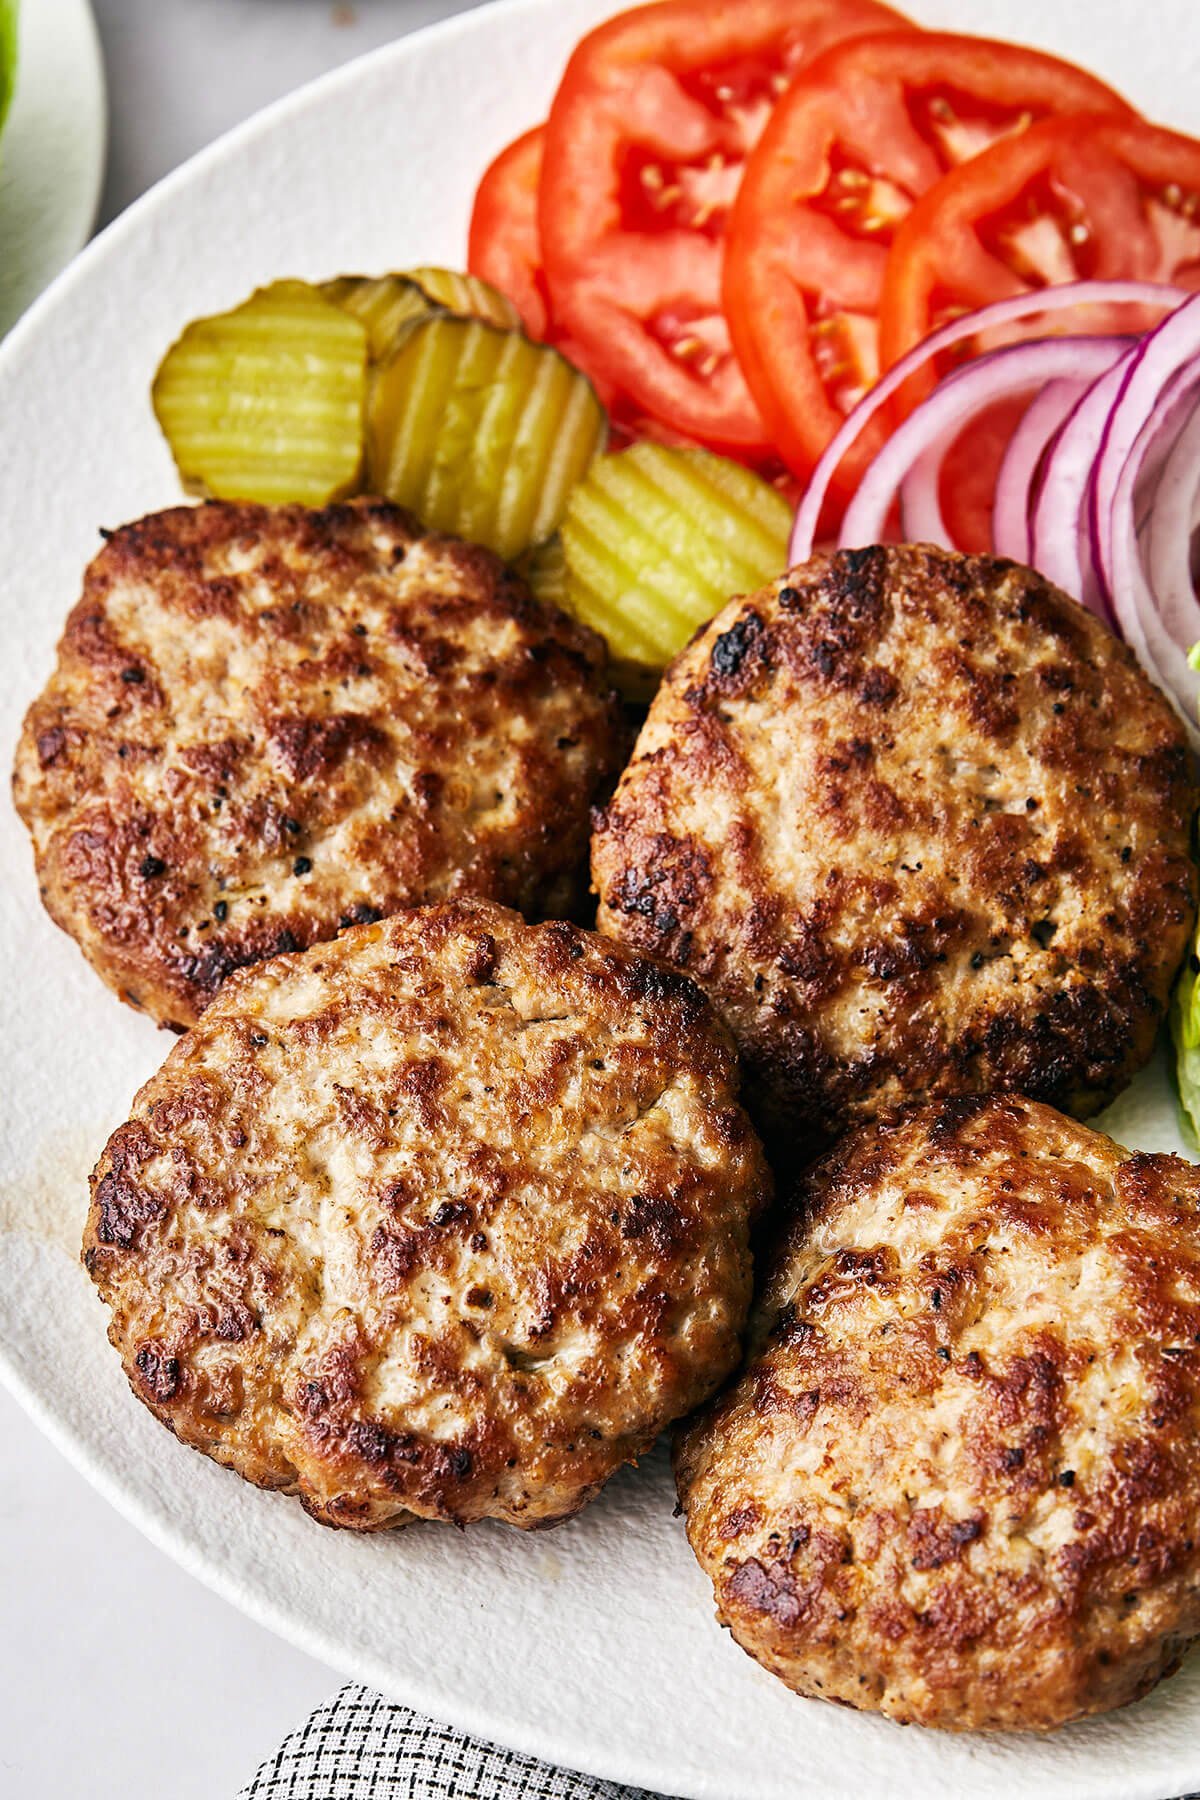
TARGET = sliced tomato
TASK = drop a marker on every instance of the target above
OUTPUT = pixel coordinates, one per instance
(859, 137)
(645, 148)
(504, 245)
(1070, 199)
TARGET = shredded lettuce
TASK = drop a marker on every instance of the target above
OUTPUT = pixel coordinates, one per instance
(1185, 1030)
(8, 55)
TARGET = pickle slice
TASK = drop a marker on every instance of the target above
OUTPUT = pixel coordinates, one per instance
(545, 571)
(266, 402)
(657, 539)
(467, 295)
(480, 432)
(385, 304)
(389, 304)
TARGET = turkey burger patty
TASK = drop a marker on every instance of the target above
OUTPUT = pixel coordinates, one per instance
(449, 1217)
(267, 723)
(919, 824)
(957, 1482)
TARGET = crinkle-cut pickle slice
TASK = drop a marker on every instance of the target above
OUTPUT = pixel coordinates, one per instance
(384, 304)
(545, 570)
(389, 304)
(266, 402)
(480, 432)
(469, 296)
(657, 539)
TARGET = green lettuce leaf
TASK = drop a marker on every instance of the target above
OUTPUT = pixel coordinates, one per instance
(1185, 1030)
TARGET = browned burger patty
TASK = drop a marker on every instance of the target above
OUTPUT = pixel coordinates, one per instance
(448, 1217)
(957, 1482)
(267, 723)
(920, 825)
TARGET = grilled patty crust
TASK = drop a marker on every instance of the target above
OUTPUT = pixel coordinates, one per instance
(919, 824)
(449, 1217)
(267, 723)
(957, 1481)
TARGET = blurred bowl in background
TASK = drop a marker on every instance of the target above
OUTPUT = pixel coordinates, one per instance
(52, 147)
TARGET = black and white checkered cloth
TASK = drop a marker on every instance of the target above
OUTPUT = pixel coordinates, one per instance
(362, 1747)
(359, 1746)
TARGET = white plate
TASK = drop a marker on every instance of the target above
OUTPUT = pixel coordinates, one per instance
(51, 150)
(595, 1646)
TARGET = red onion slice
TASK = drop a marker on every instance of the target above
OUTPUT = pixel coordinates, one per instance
(1166, 544)
(1002, 312)
(1014, 498)
(1163, 658)
(1168, 413)
(1015, 369)
(1160, 358)
(920, 503)
(1017, 480)
(1057, 545)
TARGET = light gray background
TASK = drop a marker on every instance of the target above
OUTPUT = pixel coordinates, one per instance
(121, 1678)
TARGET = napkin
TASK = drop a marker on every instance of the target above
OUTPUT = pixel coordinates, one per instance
(359, 1746)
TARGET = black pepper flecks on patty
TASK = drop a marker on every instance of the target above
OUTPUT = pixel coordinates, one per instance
(957, 1480)
(269, 723)
(449, 1217)
(920, 825)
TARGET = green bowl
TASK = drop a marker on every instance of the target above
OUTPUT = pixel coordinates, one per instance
(8, 55)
